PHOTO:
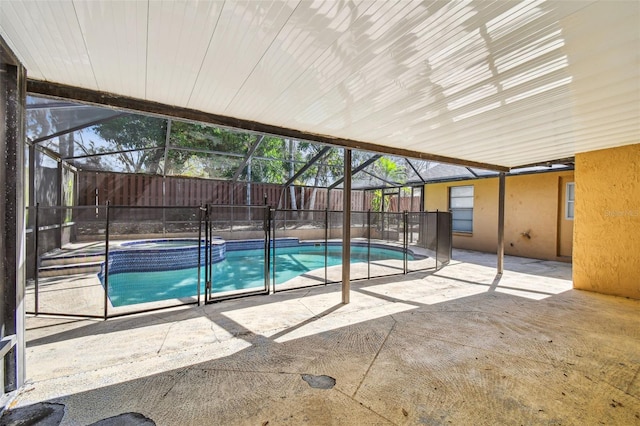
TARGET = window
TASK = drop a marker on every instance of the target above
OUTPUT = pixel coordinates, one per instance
(461, 206)
(570, 200)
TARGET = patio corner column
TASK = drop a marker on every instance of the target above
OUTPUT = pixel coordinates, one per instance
(501, 190)
(346, 228)
(13, 96)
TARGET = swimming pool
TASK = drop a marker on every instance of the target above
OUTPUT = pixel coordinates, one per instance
(241, 269)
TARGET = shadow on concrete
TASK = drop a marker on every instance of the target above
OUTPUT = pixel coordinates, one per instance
(522, 265)
(396, 368)
(134, 321)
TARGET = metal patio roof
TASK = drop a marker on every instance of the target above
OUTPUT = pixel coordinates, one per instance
(73, 133)
(498, 83)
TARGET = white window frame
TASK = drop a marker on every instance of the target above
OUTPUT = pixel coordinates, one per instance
(453, 209)
(570, 201)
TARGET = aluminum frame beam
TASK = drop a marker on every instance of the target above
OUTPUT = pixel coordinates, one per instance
(415, 170)
(354, 171)
(311, 162)
(247, 157)
(95, 97)
(78, 127)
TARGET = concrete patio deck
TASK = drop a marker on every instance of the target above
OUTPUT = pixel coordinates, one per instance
(459, 346)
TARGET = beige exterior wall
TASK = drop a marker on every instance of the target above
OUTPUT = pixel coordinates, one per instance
(606, 240)
(535, 223)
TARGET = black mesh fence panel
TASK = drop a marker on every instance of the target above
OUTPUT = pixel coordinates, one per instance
(31, 260)
(237, 241)
(155, 257)
(386, 244)
(360, 246)
(300, 255)
(444, 238)
(63, 264)
(421, 241)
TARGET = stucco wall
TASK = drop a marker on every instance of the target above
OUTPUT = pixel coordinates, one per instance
(485, 212)
(535, 224)
(606, 241)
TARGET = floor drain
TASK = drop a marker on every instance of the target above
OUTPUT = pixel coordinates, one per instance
(319, 382)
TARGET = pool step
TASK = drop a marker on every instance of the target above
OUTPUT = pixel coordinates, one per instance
(55, 266)
(70, 269)
(70, 260)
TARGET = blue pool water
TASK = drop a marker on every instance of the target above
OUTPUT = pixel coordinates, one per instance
(241, 270)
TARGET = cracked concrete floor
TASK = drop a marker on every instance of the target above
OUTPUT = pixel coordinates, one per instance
(459, 346)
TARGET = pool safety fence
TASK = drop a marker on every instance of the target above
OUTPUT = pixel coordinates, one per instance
(108, 261)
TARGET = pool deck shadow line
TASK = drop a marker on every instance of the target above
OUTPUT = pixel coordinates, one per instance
(308, 321)
(428, 348)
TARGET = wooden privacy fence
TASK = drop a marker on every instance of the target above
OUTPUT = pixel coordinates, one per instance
(96, 188)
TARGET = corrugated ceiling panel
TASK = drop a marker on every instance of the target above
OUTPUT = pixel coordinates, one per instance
(115, 34)
(245, 31)
(179, 36)
(297, 47)
(497, 82)
(343, 58)
(480, 75)
(57, 54)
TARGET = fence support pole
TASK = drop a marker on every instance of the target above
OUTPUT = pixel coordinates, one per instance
(267, 252)
(36, 243)
(106, 266)
(405, 240)
(273, 248)
(382, 215)
(208, 252)
(200, 209)
(437, 236)
(58, 211)
(326, 243)
(369, 244)
(346, 228)
(501, 190)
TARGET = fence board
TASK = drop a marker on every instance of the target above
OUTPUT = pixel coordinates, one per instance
(146, 190)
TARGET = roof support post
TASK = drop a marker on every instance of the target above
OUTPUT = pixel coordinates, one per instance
(12, 231)
(501, 190)
(346, 228)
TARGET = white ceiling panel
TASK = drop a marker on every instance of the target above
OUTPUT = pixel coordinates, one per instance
(115, 35)
(55, 54)
(296, 49)
(179, 37)
(245, 31)
(503, 82)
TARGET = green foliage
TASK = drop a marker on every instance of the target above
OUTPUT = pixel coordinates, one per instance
(389, 170)
(195, 143)
(211, 152)
(391, 173)
(203, 148)
(134, 132)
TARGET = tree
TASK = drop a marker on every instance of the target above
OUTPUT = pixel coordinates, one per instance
(130, 138)
(196, 150)
(390, 172)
